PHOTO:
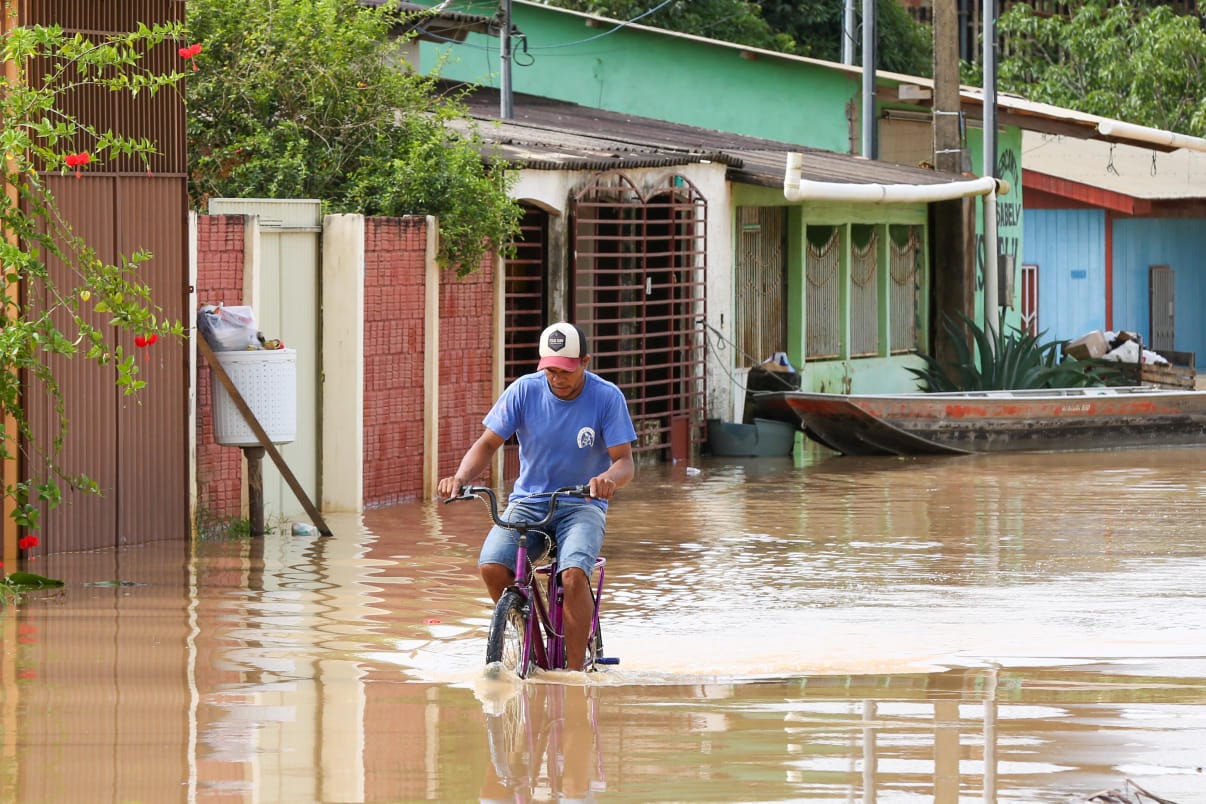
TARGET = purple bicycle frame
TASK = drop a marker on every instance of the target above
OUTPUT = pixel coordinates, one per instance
(544, 636)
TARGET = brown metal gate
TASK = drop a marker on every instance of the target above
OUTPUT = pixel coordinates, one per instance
(135, 447)
(638, 293)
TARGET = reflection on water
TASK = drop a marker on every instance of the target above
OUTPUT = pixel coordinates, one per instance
(1017, 628)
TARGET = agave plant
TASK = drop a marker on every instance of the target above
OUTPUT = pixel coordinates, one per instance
(1008, 358)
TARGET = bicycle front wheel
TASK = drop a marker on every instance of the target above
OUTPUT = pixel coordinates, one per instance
(507, 631)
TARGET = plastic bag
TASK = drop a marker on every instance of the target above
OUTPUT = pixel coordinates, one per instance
(228, 329)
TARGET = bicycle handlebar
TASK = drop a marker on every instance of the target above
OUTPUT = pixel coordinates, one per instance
(480, 492)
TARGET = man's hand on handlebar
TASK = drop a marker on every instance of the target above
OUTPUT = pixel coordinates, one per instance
(450, 488)
(602, 487)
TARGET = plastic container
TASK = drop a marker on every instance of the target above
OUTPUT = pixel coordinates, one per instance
(267, 380)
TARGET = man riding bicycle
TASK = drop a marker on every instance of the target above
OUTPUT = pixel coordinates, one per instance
(573, 429)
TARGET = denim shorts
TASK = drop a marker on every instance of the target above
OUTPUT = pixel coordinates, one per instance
(578, 527)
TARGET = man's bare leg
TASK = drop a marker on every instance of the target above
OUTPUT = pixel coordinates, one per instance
(497, 577)
(579, 611)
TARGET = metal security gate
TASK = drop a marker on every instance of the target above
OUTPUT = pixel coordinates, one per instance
(524, 300)
(638, 292)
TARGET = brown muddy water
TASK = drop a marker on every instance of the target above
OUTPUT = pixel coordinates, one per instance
(1027, 628)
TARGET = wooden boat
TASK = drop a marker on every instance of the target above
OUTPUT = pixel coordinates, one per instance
(993, 421)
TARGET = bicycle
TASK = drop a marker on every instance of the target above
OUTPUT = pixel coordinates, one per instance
(527, 631)
(542, 740)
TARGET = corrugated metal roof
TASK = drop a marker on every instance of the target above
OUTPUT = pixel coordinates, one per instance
(545, 134)
(1119, 168)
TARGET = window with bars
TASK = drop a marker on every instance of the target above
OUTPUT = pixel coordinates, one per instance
(760, 284)
(869, 280)
(864, 291)
(823, 293)
(906, 271)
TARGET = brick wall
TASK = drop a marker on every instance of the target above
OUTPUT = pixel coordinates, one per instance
(466, 360)
(219, 279)
(394, 310)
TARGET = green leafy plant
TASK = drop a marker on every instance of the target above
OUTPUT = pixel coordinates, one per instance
(45, 321)
(310, 99)
(1137, 61)
(1008, 358)
(12, 586)
(18, 583)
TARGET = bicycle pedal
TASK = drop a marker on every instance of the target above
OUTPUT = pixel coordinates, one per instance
(607, 660)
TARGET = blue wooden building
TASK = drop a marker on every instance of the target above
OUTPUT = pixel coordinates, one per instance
(1114, 238)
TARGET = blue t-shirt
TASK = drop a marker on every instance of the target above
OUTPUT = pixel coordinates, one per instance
(561, 443)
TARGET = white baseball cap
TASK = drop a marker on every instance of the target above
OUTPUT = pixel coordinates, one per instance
(562, 346)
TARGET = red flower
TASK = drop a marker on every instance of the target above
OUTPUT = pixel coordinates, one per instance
(189, 52)
(143, 342)
(77, 160)
(26, 542)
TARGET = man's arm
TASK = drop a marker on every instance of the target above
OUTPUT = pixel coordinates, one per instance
(617, 475)
(476, 459)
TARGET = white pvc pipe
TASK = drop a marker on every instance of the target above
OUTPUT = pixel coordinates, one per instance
(1116, 128)
(797, 188)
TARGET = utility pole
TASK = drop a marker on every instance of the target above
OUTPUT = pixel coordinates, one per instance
(948, 145)
(991, 270)
(506, 107)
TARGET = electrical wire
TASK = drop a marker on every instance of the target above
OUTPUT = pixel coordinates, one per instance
(624, 24)
(722, 345)
(526, 48)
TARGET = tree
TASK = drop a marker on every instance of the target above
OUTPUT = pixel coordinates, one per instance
(309, 99)
(800, 27)
(1114, 59)
(737, 21)
(42, 319)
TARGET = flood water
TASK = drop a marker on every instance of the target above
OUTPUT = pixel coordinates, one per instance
(1026, 628)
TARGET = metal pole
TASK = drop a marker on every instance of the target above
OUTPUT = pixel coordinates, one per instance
(505, 100)
(848, 24)
(870, 146)
(991, 303)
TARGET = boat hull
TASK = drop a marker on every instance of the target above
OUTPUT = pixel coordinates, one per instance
(993, 421)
